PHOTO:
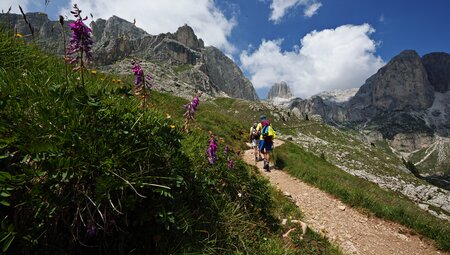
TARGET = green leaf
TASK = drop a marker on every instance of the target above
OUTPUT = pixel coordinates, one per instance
(3, 156)
(5, 175)
(5, 203)
(5, 194)
(8, 243)
(64, 175)
(11, 228)
(6, 235)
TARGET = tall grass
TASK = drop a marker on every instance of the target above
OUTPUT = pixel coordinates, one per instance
(362, 194)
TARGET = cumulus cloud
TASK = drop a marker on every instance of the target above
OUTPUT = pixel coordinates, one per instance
(338, 58)
(207, 20)
(280, 7)
(14, 4)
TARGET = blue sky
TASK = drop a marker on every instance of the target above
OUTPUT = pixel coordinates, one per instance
(313, 45)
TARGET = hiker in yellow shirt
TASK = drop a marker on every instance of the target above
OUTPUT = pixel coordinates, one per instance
(267, 134)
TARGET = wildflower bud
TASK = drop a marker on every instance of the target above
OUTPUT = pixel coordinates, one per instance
(212, 149)
(230, 164)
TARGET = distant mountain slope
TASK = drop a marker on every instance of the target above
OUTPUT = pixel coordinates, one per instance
(117, 39)
(407, 102)
(279, 92)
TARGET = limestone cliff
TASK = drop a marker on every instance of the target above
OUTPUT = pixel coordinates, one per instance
(280, 90)
(183, 55)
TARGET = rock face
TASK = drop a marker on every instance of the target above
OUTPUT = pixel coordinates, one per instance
(407, 102)
(47, 34)
(329, 105)
(407, 95)
(280, 90)
(401, 85)
(226, 75)
(186, 36)
(193, 64)
(438, 69)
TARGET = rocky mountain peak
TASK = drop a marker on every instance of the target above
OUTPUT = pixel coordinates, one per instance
(402, 84)
(115, 27)
(187, 64)
(185, 34)
(280, 90)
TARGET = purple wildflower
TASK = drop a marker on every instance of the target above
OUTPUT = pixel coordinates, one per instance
(226, 150)
(142, 82)
(212, 149)
(91, 229)
(80, 42)
(189, 115)
(230, 164)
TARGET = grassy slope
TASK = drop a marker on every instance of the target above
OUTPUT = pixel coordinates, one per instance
(345, 149)
(135, 183)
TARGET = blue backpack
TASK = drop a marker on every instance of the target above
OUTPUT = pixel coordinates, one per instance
(267, 132)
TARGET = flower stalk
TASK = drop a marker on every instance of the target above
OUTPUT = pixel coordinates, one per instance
(80, 43)
(142, 84)
(189, 115)
(61, 22)
(212, 149)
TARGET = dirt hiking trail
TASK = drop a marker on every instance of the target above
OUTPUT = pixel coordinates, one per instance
(352, 231)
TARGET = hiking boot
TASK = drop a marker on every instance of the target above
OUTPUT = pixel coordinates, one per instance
(266, 166)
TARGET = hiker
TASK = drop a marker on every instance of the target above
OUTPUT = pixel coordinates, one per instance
(254, 140)
(267, 134)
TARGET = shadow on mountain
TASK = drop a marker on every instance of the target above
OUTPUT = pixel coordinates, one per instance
(439, 181)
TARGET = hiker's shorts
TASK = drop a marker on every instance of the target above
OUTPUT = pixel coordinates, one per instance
(255, 143)
(265, 145)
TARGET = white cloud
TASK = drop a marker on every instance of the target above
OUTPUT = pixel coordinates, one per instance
(14, 4)
(207, 20)
(329, 59)
(280, 7)
(312, 9)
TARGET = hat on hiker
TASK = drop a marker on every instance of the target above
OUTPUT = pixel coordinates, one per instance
(263, 117)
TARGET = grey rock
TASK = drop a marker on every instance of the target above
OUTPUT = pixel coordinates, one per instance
(400, 85)
(411, 141)
(186, 36)
(226, 75)
(280, 90)
(316, 105)
(437, 65)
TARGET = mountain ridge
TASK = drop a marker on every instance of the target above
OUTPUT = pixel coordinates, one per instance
(117, 39)
(407, 102)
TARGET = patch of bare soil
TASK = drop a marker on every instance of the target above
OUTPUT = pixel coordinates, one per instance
(351, 230)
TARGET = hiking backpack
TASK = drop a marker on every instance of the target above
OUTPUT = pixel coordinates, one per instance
(267, 131)
(255, 134)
